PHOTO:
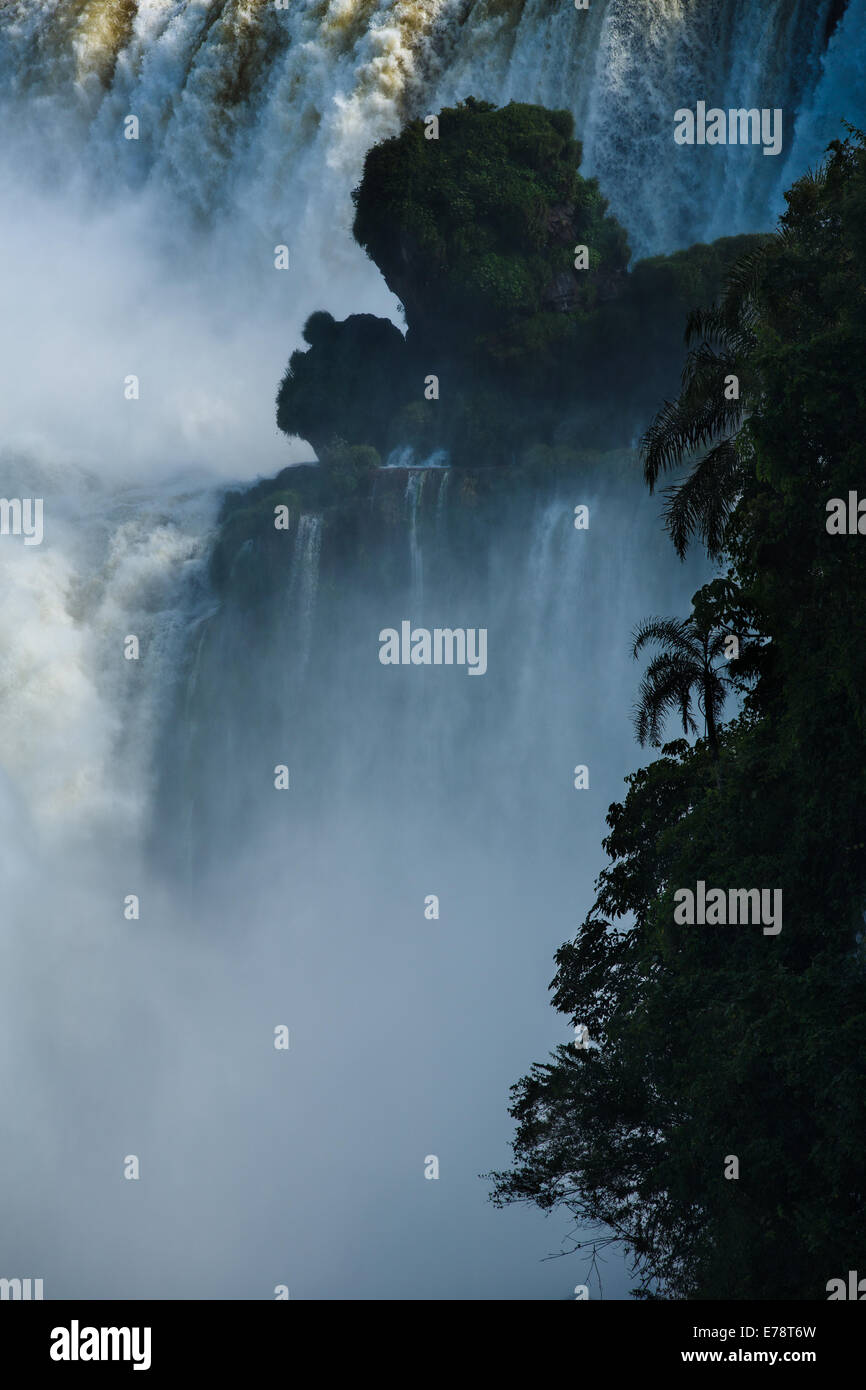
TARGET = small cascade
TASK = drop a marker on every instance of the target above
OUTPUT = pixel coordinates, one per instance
(414, 490)
(442, 504)
(303, 587)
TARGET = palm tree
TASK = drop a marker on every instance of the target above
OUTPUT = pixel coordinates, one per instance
(704, 418)
(683, 672)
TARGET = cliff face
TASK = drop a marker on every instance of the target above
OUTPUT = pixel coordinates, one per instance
(524, 324)
(365, 513)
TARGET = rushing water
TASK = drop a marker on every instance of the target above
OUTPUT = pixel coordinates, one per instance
(155, 777)
(264, 116)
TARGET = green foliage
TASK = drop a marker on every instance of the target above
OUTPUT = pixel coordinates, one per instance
(348, 467)
(351, 379)
(247, 529)
(476, 232)
(718, 1040)
(689, 665)
(474, 228)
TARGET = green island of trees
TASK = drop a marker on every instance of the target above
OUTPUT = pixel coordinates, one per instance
(477, 232)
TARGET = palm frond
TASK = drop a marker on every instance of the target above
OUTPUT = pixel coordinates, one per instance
(675, 633)
(703, 502)
(677, 432)
(657, 698)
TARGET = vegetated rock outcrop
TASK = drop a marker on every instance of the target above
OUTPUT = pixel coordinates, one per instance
(518, 298)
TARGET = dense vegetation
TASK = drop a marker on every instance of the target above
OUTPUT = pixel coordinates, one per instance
(477, 227)
(476, 232)
(720, 1040)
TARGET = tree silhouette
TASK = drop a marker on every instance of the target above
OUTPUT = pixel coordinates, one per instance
(707, 414)
(682, 674)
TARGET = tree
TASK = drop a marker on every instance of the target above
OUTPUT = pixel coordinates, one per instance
(685, 667)
(717, 383)
(719, 1040)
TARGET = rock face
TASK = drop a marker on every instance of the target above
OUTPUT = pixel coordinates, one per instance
(512, 339)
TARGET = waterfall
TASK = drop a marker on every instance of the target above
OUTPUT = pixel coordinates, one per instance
(442, 504)
(838, 93)
(414, 489)
(623, 68)
(516, 566)
(153, 777)
(113, 564)
(303, 585)
(240, 105)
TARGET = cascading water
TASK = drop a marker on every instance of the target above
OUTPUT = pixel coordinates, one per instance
(624, 67)
(155, 777)
(303, 586)
(241, 106)
(414, 488)
(114, 563)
